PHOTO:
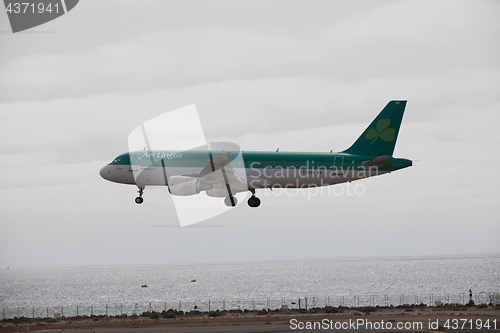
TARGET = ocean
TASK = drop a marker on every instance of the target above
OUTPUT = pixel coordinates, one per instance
(250, 285)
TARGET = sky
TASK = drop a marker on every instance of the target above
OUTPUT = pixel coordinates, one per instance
(294, 75)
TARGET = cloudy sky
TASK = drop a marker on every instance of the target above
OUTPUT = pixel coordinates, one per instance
(298, 75)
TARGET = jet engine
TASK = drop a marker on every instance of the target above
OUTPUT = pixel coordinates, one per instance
(217, 193)
(181, 185)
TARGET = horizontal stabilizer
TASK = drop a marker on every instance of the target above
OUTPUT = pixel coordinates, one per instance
(377, 162)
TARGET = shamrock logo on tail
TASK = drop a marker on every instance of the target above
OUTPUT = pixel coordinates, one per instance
(383, 131)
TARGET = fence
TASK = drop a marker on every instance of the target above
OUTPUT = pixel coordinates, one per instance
(117, 309)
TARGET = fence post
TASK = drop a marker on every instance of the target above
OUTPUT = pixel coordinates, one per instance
(150, 308)
(62, 311)
(92, 310)
(33, 313)
(208, 305)
(106, 310)
(76, 311)
(306, 303)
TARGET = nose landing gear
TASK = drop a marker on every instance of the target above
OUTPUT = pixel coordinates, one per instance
(139, 199)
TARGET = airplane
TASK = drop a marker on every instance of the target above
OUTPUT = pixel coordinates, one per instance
(221, 170)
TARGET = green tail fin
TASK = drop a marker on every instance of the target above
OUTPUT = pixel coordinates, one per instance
(380, 137)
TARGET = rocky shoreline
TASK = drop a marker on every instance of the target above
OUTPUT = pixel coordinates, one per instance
(174, 318)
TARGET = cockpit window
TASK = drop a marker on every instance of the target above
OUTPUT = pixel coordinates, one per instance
(116, 161)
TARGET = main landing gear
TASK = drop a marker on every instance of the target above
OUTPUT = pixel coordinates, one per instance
(228, 203)
(253, 201)
(139, 199)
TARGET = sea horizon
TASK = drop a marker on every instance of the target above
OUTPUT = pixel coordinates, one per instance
(340, 258)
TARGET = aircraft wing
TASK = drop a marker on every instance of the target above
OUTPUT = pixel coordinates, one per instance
(214, 164)
(220, 173)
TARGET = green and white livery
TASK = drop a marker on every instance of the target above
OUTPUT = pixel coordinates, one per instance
(222, 170)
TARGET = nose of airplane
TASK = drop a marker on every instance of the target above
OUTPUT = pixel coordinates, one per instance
(105, 172)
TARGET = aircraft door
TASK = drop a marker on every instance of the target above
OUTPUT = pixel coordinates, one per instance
(338, 164)
(134, 162)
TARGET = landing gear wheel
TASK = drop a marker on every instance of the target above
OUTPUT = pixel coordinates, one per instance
(227, 201)
(253, 201)
(139, 199)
